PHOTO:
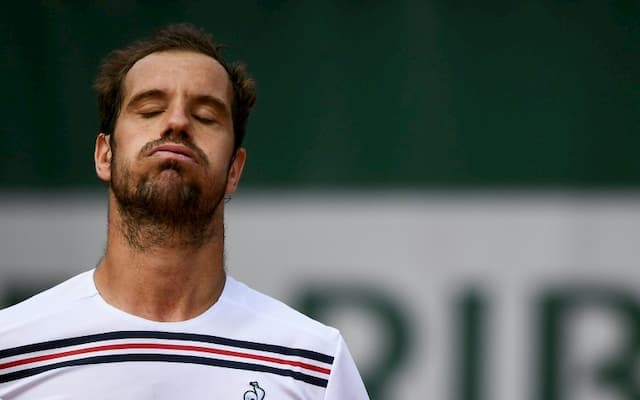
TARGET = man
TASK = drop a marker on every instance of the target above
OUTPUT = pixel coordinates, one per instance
(158, 318)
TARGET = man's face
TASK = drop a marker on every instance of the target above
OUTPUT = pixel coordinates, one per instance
(173, 150)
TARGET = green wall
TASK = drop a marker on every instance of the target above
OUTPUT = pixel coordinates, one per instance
(356, 93)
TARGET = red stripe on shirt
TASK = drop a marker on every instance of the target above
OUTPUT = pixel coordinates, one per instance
(126, 346)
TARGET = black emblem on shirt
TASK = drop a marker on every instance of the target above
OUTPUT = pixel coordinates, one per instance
(256, 394)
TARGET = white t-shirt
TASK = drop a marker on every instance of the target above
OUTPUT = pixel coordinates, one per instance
(68, 343)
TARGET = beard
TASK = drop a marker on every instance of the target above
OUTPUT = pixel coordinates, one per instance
(163, 208)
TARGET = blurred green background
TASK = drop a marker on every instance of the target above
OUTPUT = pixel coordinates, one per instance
(412, 94)
(356, 93)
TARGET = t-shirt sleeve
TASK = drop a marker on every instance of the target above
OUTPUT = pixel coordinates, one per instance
(345, 381)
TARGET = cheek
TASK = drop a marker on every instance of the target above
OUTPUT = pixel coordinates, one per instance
(133, 134)
(128, 146)
(218, 151)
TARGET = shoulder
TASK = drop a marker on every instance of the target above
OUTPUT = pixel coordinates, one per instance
(274, 315)
(323, 345)
(51, 301)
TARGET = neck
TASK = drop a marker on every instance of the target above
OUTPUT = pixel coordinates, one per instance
(168, 280)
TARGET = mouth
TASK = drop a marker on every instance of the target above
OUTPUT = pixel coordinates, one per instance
(174, 151)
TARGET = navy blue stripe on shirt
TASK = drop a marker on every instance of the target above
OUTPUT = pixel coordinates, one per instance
(61, 343)
(172, 358)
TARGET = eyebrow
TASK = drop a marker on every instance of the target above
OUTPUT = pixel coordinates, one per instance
(212, 101)
(147, 95)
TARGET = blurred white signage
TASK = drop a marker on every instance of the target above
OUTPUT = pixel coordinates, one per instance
(441, 295)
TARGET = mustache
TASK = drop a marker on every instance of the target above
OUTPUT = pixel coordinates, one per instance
(149, 147)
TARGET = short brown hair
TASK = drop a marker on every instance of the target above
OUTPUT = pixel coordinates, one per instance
(114, 68)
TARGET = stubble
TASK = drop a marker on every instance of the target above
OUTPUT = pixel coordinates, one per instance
(164, 209)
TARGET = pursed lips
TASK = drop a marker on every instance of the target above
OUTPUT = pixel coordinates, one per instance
(174, 151)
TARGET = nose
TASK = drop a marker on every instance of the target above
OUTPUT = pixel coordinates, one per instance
(178, 123)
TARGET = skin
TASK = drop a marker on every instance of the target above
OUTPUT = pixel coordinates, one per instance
(190, 99)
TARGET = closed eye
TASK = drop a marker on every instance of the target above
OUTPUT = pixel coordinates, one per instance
(150, 113)
(204, 119)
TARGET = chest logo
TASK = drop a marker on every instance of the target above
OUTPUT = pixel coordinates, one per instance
(257, 393)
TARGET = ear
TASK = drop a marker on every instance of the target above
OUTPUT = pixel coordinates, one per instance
(102, 157)
(235, 170)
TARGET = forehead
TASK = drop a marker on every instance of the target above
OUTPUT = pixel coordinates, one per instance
(185, 72)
